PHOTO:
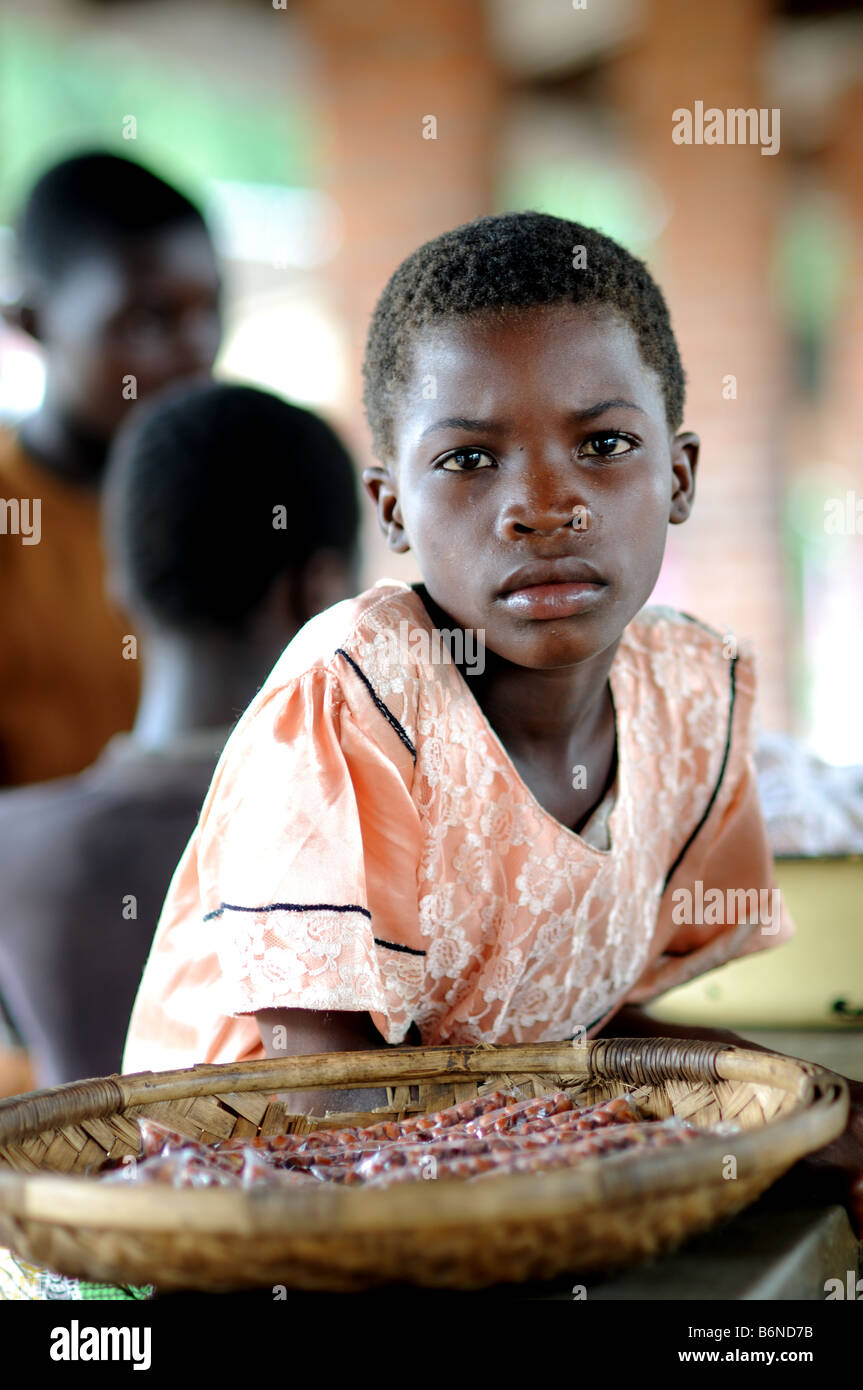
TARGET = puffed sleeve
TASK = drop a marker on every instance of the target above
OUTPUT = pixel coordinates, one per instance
(720, 901)
(298, 887)
(309, 809)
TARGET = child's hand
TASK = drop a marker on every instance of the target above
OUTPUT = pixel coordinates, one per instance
(301, 1032)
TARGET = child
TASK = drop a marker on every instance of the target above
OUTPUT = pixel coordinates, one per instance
(85, 861)
(119, 286)
(510, 850)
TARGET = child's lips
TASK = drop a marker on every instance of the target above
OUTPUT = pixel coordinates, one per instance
(553, 588)
(556, 600)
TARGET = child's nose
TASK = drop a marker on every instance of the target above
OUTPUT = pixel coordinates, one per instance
(578, 520)
(545, 502)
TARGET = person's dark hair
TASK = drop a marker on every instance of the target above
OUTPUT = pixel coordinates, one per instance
(514, 260)
(192, 512)
(90, 204)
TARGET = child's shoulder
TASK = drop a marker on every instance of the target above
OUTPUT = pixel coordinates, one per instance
(680, 645)
(353, 651)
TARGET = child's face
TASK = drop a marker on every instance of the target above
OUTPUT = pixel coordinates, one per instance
(518, 410)
(150, 312)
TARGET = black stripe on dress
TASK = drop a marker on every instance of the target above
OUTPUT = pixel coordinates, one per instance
(384, 709)
(289, 907)
(314, 907)
(396, 946)
(709, 806)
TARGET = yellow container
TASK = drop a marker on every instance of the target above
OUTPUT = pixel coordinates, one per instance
(813, 981)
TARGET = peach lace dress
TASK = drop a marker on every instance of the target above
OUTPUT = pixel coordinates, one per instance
(367, 844)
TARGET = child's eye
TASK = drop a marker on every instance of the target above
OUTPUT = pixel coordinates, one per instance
(466, 460)
(607, 445)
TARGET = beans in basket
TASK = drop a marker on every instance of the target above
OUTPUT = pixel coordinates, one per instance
(489, 1136)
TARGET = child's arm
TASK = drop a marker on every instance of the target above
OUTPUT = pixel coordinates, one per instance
(304, 1031)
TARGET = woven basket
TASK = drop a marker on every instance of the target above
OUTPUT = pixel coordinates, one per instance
(600, 1215)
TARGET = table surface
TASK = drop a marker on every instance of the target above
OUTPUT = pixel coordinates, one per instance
(774, 1250)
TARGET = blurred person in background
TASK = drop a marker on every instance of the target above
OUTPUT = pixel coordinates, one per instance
(230, 519)
(119, 286)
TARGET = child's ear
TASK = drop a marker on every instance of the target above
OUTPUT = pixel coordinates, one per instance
(684, 461)
(382, 489)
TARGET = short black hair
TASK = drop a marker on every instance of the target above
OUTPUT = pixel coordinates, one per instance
(193, 481)
(93, 203)
(514, 260)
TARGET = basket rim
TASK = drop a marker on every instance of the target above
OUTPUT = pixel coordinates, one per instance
(78, 1199)
(25, 1116)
